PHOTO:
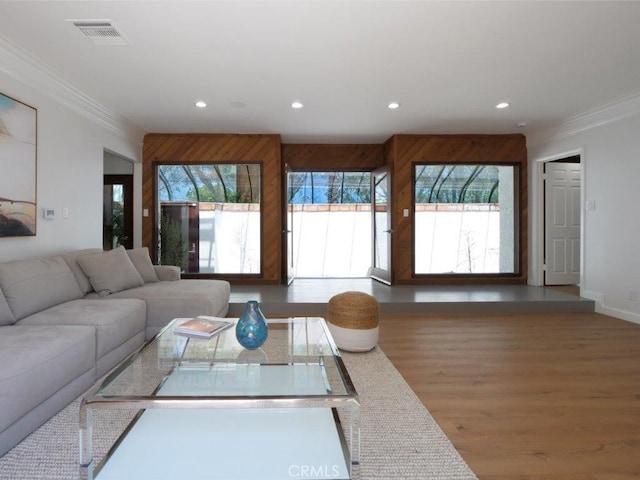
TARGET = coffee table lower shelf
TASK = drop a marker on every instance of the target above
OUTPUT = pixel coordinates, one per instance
(242, 444)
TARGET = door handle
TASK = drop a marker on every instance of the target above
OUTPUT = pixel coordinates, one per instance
(388, 231)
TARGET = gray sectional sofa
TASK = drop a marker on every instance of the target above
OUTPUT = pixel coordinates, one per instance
(66, 320)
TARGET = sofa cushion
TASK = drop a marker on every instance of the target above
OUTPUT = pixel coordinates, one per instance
(37, 284)
(115, 321)
(72, 260)
(37, 362)
(181, 298)
(6, 315)
(142, 261)
(111, 271)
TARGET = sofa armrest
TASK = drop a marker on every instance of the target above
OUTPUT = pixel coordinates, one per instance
(167, 272)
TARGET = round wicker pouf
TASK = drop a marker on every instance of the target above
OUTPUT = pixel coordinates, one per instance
(352, 318)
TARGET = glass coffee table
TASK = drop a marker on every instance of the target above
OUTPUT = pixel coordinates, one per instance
(210, 409)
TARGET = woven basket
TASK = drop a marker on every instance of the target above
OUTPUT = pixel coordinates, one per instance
(356, 310)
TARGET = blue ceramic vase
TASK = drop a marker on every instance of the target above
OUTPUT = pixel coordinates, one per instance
(252, 329)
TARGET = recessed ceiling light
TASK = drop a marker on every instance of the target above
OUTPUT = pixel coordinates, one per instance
(297, 105)
(200, 104)
(502, 105)
(393, 105)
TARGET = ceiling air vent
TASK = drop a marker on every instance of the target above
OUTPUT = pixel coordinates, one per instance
(100, 32)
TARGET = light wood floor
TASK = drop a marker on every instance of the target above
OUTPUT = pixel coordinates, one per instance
(527, 396)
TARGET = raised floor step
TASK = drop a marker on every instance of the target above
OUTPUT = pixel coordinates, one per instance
(310, 297)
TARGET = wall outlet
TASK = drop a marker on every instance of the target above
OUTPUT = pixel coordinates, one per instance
(633, 296)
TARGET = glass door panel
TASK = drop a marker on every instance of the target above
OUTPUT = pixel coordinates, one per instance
(381, 208)
(288, 229)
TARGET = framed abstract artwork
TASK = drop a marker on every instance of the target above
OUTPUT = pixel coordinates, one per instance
(17, 168)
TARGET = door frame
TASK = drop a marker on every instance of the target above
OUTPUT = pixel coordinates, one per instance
(538, 228)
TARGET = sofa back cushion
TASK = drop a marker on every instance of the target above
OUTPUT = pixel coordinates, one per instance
(33, 285)
(142, 261)
(72, 260)
(111, 271)
(6, 315)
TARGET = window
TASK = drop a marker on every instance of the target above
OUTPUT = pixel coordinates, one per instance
(465, 219)
(209, 217)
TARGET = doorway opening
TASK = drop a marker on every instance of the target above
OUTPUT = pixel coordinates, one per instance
(117, 202)
(330, 224)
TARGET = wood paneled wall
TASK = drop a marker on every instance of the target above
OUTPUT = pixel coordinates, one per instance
(402, 152)
(198, 148)
(363, 157)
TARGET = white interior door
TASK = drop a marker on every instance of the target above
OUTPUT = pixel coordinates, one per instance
(562, 223)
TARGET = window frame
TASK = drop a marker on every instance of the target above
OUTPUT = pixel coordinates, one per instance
(156, 219)
(518, 209)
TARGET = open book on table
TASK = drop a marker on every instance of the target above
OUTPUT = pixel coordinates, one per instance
(202, 326)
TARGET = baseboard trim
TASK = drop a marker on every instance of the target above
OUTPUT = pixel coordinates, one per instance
(604, 309)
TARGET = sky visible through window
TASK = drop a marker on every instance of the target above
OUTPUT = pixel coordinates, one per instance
(329, 187)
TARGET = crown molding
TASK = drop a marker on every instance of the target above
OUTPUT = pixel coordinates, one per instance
(618, 109)
(19, 64)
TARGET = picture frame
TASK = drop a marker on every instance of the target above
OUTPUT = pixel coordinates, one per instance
(18, 164)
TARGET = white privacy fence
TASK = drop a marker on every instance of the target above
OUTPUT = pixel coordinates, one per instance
(336, 240)
(457, 240)
(229, 238)
(332, 243)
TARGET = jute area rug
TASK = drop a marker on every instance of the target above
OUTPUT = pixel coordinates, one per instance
(399, 438)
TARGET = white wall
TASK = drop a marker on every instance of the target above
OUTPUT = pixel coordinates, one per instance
(610, 156)
(69, 175)
(116, 165)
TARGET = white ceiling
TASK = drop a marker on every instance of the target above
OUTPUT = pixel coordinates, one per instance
(447, 63)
